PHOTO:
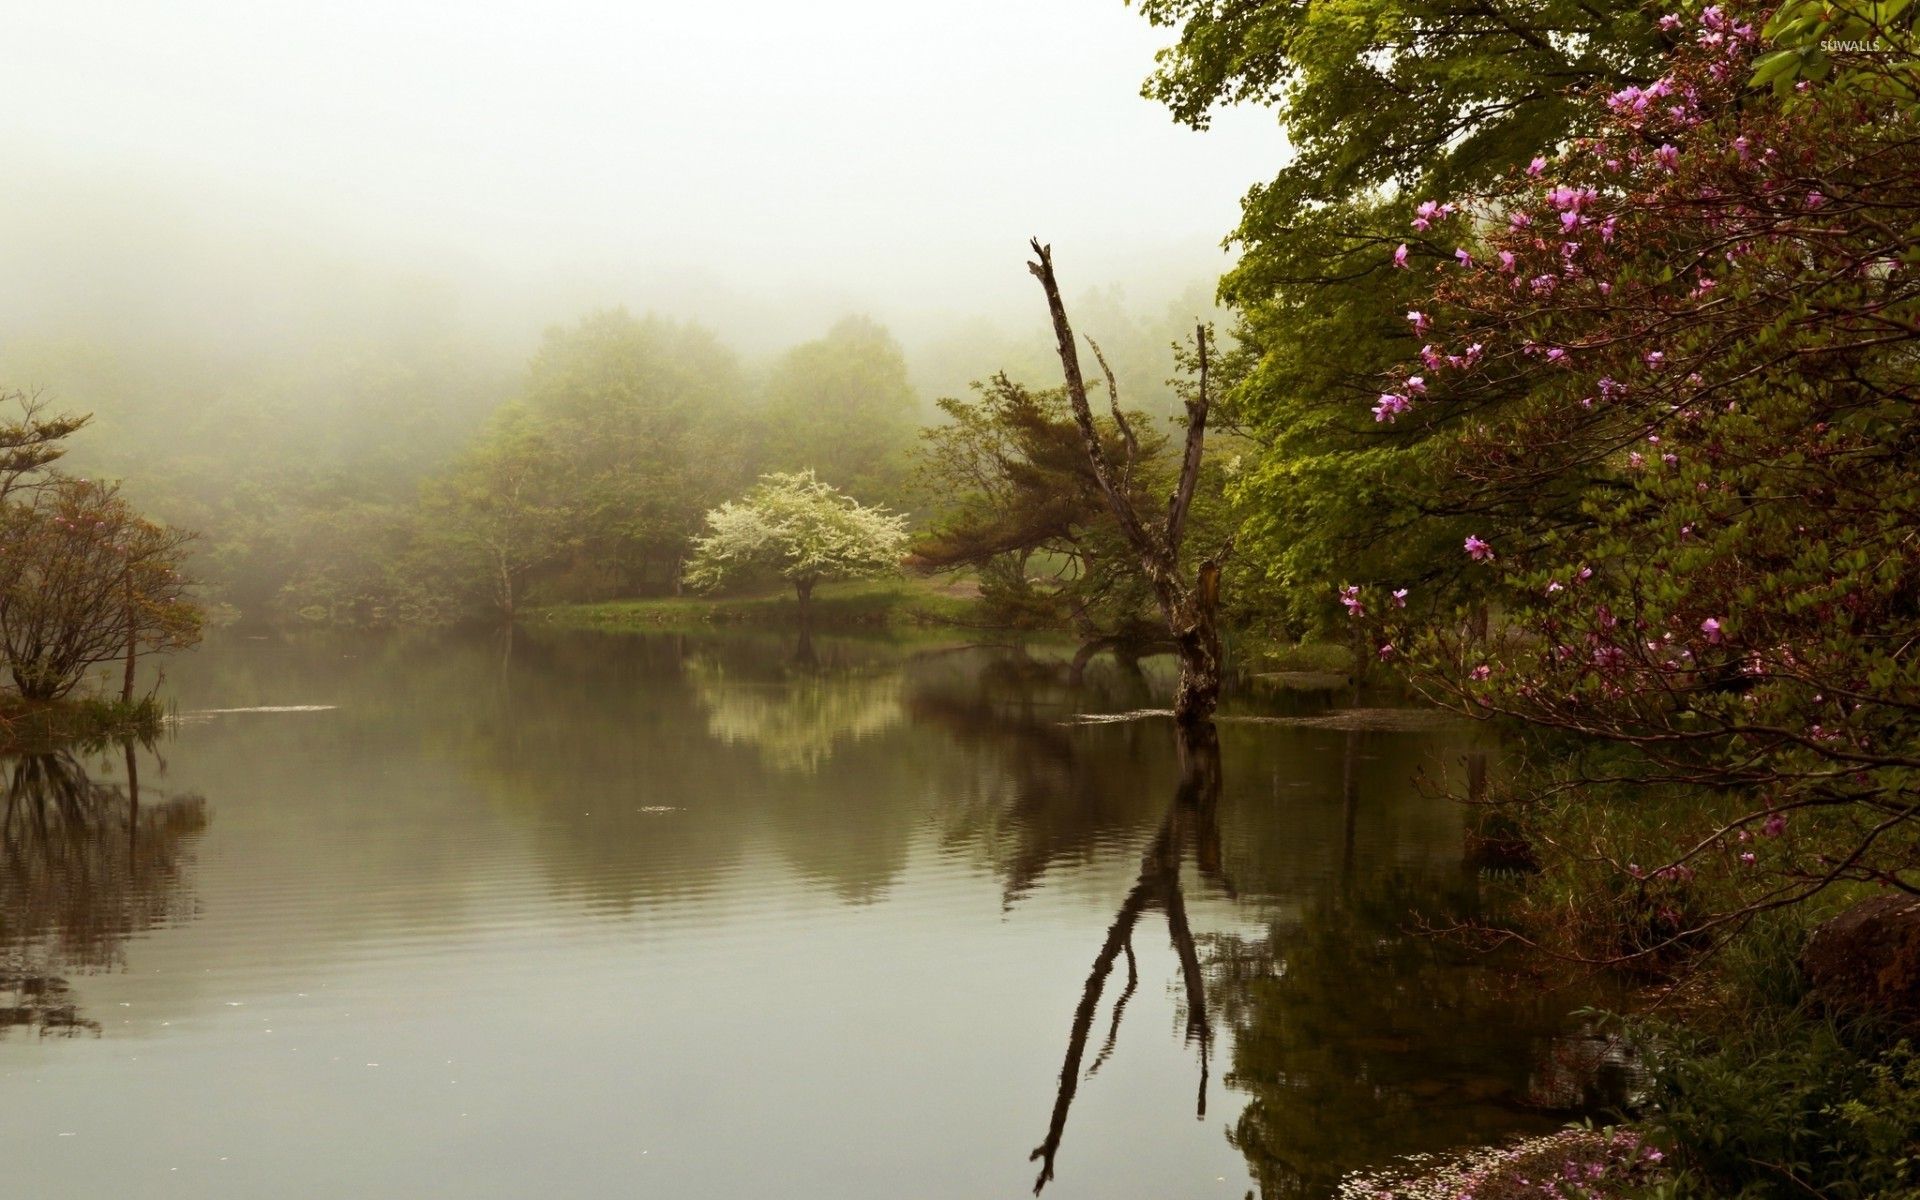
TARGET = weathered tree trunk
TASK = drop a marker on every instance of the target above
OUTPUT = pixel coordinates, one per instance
(1191, 610)
(1196, 637)
(803, 588)
(505, 588)
(133, 643)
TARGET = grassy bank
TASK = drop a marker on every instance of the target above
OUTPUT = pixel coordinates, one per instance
(864, 604)
(27, 726)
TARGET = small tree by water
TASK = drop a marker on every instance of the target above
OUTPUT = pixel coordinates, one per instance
(801, 530)
(86, 580)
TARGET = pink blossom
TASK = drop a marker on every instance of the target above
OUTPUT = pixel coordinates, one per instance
(1538, 165)
(1418, 320)
(1386, 651)
(1350, 597)
(1747, 857)
(1480, 672)
(1668, 156)
(1399, 597)
(1415, 385)
(1477, 550)
(1506, 261)
(1400, 256)
(1815, 199)
(1775, 825)
(1429, 212)
(1519, 220)
(1390, 407)
(1711, 627)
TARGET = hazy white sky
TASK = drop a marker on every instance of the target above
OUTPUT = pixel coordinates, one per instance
(891, 155)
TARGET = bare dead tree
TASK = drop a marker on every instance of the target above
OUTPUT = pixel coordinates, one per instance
(1190, 606)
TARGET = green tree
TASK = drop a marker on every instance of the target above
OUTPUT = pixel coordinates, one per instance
(801, 530)
(1710, 355)
(1013, 485)
(1386, 103)
(499, 515)
(85, 580)
(842, 406)
(649, 414)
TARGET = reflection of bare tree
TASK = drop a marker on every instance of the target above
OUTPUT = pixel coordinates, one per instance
(1191, 821)
(82, 865)
(1041, 791)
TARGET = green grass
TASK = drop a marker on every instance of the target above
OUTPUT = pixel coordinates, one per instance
(1260, 654)
(863, 604)
(91, 722)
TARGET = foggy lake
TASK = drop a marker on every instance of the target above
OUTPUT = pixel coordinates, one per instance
(580, 914)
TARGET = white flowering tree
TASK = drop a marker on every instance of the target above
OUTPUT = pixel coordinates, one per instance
(801, 530)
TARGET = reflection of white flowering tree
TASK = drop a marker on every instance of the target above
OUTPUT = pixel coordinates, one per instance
(797, 722)
(800, 529)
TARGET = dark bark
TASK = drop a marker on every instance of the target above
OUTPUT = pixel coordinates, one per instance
(1190, 607)
(133, 643)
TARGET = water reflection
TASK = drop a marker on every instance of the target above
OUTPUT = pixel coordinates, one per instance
(796, 718)
(84, 864)
(1191, 821)
(870, 891)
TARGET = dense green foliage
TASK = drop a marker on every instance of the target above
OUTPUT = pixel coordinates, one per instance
(1020, 506)
(1383, 102)
(841, 406)
(1634, 469)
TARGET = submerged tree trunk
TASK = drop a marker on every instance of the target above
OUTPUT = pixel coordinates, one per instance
(1196, 637)
(1190, 608)
(133, 805)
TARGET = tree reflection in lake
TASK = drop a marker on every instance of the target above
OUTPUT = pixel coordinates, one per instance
(83, 865)
(797, 718)
(886, 811)
(1191, 821)
(1348, 1028)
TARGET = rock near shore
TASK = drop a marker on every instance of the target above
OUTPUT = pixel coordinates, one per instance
(1866, 962)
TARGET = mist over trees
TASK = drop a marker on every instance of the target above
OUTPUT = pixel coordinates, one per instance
(426, 472)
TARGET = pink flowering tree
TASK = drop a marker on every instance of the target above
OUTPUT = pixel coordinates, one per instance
(1674, 374)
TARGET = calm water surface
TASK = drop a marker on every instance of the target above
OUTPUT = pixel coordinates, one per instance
(621, 916)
